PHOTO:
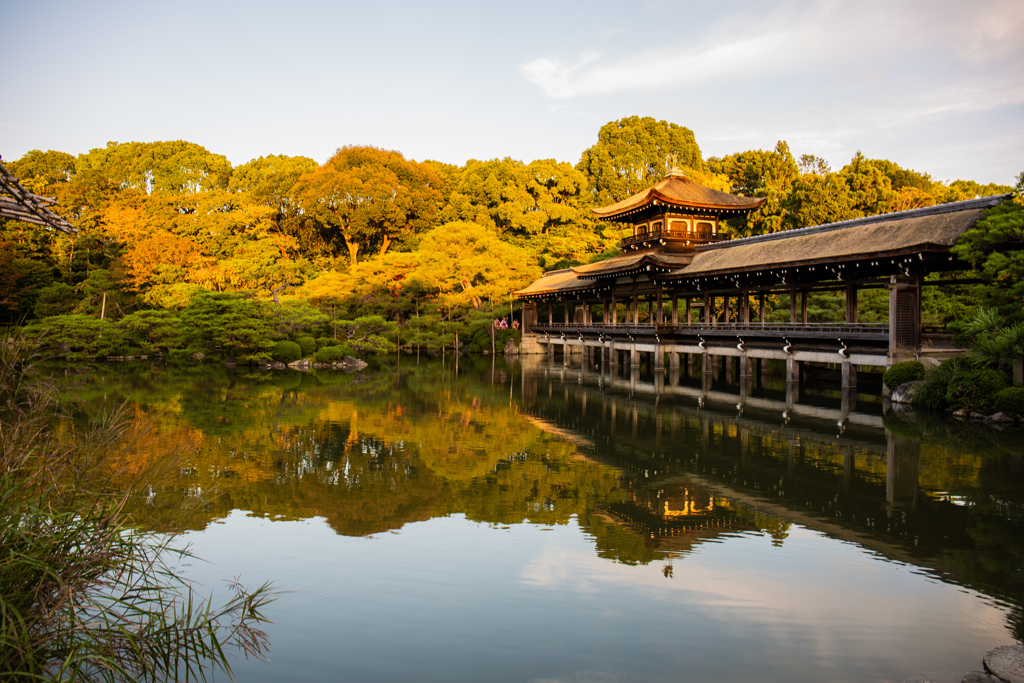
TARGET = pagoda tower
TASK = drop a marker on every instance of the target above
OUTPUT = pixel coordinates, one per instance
(676, 214)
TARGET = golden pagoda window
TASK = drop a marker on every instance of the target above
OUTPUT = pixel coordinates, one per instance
(679, 225)
(656, 226)
(704, 230)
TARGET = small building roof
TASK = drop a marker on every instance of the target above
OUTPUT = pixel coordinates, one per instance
(677, 191)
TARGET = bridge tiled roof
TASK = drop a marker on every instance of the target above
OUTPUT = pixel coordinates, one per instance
(933, 228)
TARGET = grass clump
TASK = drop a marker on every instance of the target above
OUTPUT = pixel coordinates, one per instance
(83, 594)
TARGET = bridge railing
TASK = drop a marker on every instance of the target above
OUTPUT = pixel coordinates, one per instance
(880, 330)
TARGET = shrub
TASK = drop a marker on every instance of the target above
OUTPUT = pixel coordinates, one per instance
(974, 390)
(332, 354)
(932, 395)
(286, 351)
(307, 345)
(324, 342)
(901, 373)
(1010, 401)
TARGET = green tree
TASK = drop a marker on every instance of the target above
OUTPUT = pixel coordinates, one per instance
(633, 153)
(75, 336)
(370, 197)
(269, 180)
(758, 173)
(818, 199)
(226, 323)
(152, 331)
(176, 166)
(993, 247)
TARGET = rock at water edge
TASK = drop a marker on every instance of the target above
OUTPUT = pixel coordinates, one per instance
(1006, 662)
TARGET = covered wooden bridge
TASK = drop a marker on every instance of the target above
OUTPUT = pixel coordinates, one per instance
(681, 287)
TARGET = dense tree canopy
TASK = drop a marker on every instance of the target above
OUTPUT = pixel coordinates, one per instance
(633, 153)
(171, 239)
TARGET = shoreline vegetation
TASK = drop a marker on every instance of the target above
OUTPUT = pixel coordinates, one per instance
(84, 593)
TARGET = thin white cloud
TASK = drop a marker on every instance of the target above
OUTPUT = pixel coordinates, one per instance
(833, 40)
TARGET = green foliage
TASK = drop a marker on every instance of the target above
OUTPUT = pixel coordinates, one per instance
(322, 342)
(295, 316)
(993, 247)
(633, 153)
(153, 331)
(368, 198)
(368, 334)
(901, 373)
(148, 167)
(286, 351)
(1010, 401)
(307, 344)
(761, 174)
(933, 393)
(333, 354)
(974, 390)
(228, 324)
(75, 336)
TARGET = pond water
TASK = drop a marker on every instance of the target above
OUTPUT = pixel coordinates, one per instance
(430, 522)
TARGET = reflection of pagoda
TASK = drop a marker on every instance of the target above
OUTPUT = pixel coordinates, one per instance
(677, 516)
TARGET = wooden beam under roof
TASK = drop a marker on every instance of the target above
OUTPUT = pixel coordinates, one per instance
(19, 204)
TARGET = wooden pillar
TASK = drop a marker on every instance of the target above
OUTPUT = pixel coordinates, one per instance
(689, 311)
(851, 302)
(615, 312)
(792, 303)
(803, 306)
(745, 306)
(660, 317)
(604, 311)
(568, 313)
(760, 307)
(725, 310)
(706, 313)
(551, 313)
(904, 315)
(675, 309)
(636, 309)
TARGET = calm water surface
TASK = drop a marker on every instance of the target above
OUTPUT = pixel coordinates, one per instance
(487, 522)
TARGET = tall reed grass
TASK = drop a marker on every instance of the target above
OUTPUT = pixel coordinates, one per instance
(84, 595)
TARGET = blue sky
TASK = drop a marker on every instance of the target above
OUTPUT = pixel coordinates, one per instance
(936, 85)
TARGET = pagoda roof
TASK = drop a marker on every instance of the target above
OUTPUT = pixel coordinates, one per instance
(678, 191)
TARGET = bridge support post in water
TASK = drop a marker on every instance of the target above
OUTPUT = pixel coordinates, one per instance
(634, 356)
(901, 468)
(792, 371)
(673, 361)
(849, 375)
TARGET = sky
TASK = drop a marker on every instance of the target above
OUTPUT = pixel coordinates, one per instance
(934, 85)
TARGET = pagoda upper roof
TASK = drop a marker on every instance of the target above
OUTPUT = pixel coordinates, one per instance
(678, 191)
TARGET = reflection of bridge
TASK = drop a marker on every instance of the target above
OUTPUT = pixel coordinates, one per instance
(709, 298)
(765, 451)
